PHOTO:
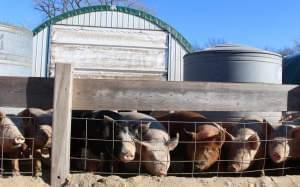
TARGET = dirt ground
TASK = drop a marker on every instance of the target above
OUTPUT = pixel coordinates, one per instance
(90, 180)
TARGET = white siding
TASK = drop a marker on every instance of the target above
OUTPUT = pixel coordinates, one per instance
(126, 51)
(40, 57)
(176, 59)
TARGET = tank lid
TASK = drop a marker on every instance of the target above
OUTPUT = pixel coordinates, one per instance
(234, 48)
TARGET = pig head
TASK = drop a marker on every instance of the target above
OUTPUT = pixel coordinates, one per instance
(284, 143)
(203, 139)
(153, 144)
(10, 136)
(246, 142)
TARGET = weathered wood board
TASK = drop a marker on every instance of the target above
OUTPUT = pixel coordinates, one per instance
(106, 52)
(153, 95)
(60, 157)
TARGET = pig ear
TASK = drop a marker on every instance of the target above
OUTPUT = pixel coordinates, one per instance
(172, 143)
(108, 120)
(296, 132)
(144, 127)
(192, 134)
(228, 136)
(253, 141)
(142, 143)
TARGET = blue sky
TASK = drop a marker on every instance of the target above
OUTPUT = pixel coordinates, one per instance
(258, 23)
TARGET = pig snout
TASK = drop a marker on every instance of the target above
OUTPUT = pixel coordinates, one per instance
(276, 157)
(234, 168)
(238, 166)
(201, 165)
(279, 150)
(160, 169)
(162, 173)
(19, 140)
(126, 157)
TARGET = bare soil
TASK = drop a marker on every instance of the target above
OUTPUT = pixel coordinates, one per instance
(90, 180)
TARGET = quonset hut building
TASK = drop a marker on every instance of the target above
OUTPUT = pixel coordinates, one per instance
(110, 42)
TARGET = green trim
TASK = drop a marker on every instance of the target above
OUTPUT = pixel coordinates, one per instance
(134, 12)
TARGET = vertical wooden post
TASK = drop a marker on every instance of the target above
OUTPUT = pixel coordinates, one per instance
(60, 163)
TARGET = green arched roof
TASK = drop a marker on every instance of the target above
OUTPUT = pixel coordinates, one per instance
(134, 12)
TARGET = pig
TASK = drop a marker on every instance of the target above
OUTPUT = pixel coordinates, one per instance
(105, 126)
(195, 128)
(284, 142)
(37, 127)
(153, 143)
(12, 141)
(247, 142)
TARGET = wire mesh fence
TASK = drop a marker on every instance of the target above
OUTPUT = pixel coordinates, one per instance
(17, 150)
(205, 148)
(128, 148)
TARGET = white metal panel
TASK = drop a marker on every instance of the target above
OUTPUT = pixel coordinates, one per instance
(103, 22)
(135, 52)
(114, 20)
(70, 21)
(44, 56)
(93, 19)
(176, 60)
(130, 21)
(120, 21)
(110, 37)
(98, 19)
(118, 58)
(39, 53)
(34, 55)
(64, 21)
(109, 19)
(81, 19)
(125, 23)
(76, 20)
(86, 19)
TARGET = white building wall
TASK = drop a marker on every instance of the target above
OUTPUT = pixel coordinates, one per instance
(107, 19)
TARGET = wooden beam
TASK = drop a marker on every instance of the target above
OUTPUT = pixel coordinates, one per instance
(60, 161)
(152, 95)
(192, 96)
(26, 92)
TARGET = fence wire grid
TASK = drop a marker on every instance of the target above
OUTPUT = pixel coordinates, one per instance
(22, 156)
(180, 165)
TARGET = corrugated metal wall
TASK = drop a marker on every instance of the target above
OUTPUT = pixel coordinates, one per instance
(42, 48)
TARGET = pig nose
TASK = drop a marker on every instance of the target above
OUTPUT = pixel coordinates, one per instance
(234, 168)
(199, 166)
(19, 140)
(162, 173)
(126, 157)
(276, 157)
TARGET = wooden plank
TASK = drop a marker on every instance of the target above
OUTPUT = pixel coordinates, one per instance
(152, 95)
(60, 161)
(193, 96)
(26, 92)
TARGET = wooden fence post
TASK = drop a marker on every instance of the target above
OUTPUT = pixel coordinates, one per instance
(63, 85)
